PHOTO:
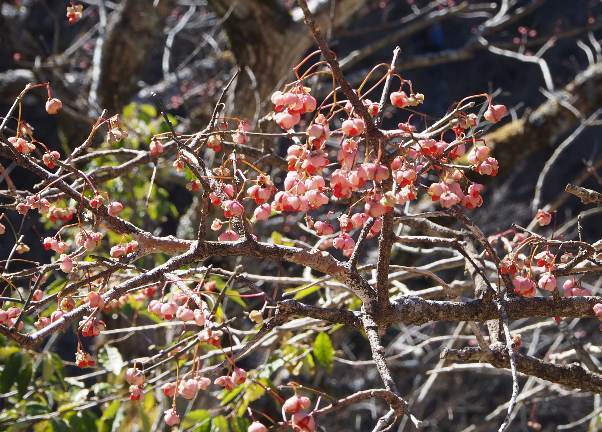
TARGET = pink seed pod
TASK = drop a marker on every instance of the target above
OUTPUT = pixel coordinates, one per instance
(96, 202)
(323, 228)
(228, 235)
(225, 381)
(2, 229)
(374, 208)
(257, 427)
(21, 145)
(199, 317)
(353, 127)
(295, 404)
(154, 306)
(37, 295)
(547, 281)
(171, 417)
(41, 323)
(13, 312)
(598, 310)
(118, 251)
(169, 389)
(136, 392)
(53, 106)
(495, 113)
(233, 208)
(155, 148)
(399, 99)
(134, 376)
(543, 217)
(303, 422)
(203, 383)
(449, 199)
(168, 310)
(185, 314)
(524, 286)
(114, 208)
(95, 300)
(66, 263)
(49, 159)
(262, 212)
(3, 316)
(188, 388)
(239, 375)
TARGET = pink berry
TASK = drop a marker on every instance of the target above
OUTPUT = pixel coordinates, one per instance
(547, 282)
(257, 427)
(171, 417)
(524, 286)
(262, 212)
(95, 300)
(155, 148)
(296, 403)
(543, 217)
(169, 389)
(114, 208)
(53, 106)
(188, 388)
(233, 208)
(134, 376)
(495, 113)
(399, 99)
(228, 235)
(66, 263)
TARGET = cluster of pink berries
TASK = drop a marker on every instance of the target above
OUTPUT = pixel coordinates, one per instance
(186, 388)
(9, 317)
(170, 310)
(290, 106)
(120, 250)
(301, 420)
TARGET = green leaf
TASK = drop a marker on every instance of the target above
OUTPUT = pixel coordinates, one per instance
(24, 378)
(306, 291)
(229, 396)
(219, 424)
(323, 350)
(199, 419)
(240, 424)
(83, 421)
(10, 372)
(279, 239)
(110, 358)
(236, 298)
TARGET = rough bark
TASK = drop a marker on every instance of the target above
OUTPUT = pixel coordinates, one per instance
(266, 40)
(131, 37)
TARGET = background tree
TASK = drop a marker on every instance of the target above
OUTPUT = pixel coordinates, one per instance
(242, 215)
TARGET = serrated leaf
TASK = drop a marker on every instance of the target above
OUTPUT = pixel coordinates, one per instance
(323, 351)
